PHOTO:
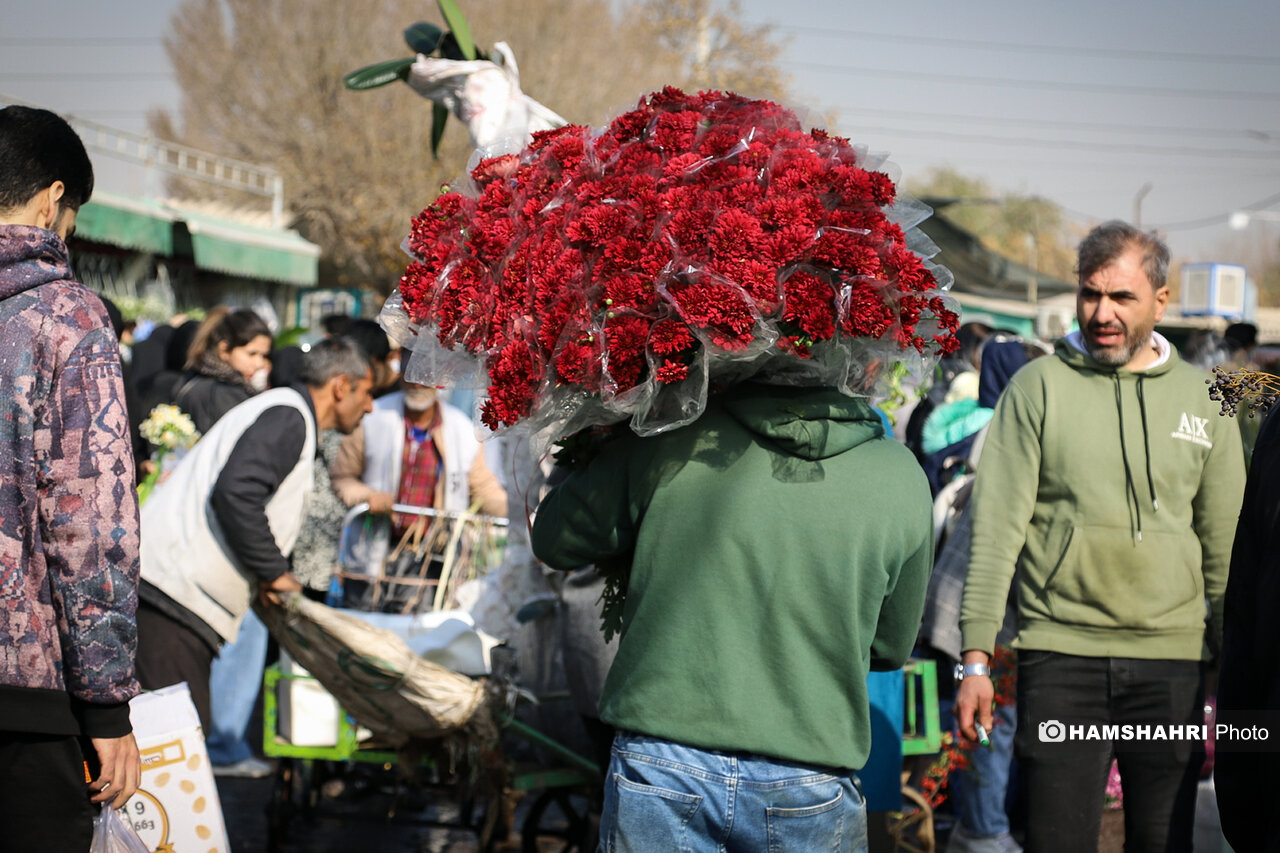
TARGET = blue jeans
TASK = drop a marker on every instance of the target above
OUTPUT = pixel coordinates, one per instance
(666, 796)
(234, 682)
(980, 790)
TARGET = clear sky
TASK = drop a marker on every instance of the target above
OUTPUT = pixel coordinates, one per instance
(1084, 103)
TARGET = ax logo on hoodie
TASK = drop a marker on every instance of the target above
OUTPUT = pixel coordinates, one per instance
(1191, 428)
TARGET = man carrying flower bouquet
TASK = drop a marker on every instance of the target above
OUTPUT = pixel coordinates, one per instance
(734, 287)
(778, 549)
(1112, 486)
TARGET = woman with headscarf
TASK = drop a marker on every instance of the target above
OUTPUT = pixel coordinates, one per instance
(227, 364)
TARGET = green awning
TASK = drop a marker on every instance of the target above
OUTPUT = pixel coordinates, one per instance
(241, 249)
(218, 244)
(140, 224)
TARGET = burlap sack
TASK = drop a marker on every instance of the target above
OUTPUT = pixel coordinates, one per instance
(372, 673)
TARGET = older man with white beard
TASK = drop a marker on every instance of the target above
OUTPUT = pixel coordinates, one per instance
(415, 450)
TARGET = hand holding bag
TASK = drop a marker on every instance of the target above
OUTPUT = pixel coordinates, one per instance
(113, 834)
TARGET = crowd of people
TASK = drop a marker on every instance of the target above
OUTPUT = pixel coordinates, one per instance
(1059, 516)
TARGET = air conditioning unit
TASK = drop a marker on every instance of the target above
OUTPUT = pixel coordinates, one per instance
(1055, 321)
(1217, 290)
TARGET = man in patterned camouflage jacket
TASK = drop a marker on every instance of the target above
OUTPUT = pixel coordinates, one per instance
(68, 509)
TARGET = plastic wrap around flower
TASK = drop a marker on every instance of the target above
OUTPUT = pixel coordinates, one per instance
(695, 242)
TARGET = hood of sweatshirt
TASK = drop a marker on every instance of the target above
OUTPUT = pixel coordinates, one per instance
(811, 423)
(30, 257)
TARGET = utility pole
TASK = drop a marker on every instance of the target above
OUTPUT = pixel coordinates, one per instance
(1033, 261)
(1137, 204)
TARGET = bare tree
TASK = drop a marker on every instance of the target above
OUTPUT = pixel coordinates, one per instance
(261, 81)
(1027, 229)
(713, 49)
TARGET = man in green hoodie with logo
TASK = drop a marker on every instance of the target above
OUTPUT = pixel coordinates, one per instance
(1112, 485)
(778, 548)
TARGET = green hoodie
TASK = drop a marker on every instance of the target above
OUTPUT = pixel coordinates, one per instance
(781, 549)
(1115, 494)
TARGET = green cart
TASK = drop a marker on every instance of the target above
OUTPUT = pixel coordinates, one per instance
(559, 816)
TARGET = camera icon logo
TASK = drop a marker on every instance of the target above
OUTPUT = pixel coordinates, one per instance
(1051, 731)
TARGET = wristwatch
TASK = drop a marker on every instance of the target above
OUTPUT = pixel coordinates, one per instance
(964, 670)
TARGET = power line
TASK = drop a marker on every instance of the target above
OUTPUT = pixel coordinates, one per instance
(1105, 127)
(1206, 221)
(1103, 88)
(1065, 165)
(85, 76)
(982, 44)
(1031, 142)
(78, 41)
(108, 112)
(1188, 225)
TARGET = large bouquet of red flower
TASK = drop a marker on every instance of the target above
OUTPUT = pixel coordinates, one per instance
(696, 241)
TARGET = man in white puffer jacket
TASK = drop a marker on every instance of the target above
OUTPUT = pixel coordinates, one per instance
(416, 450)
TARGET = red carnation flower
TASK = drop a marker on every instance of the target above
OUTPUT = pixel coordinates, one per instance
(866, 315)
(630, 290)
(578, 362)
(672, 371)
(494, 169)
(514, 374)
(625, 335)
(737, 235)
(415, 290)
(809, 305)
(668, 337)
(719, 310)
(675, 131)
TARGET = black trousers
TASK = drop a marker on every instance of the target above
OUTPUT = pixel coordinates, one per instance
(170, 652)
(44, 793)
(1065, 781)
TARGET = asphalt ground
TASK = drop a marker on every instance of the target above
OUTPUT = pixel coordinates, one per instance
(369, 816)
(372, 819)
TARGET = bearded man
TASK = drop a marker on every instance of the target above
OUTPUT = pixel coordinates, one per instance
(1111, 484)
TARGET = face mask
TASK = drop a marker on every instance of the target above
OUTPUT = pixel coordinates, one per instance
(259, 379)
(419, 399)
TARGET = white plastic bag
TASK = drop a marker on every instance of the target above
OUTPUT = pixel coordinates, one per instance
(485, 94)
(113, 834)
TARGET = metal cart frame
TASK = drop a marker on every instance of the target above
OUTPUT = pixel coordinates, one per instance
(560, 812)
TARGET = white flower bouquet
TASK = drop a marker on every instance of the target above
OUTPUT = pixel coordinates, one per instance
(171, 431)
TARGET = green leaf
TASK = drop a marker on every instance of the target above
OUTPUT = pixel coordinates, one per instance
(458, 25)
(423, 37)
(439, 115)
(378, 74)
